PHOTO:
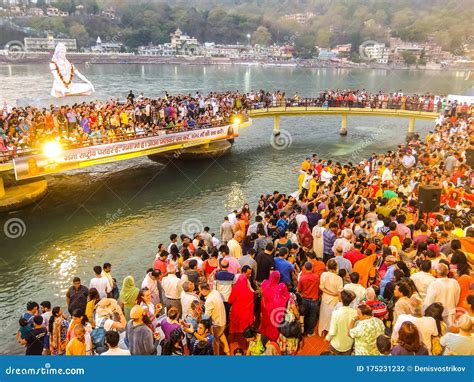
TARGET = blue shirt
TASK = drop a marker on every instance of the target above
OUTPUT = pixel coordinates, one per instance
(285, 268)
(282, 225)
(329, 238)
(85, 125)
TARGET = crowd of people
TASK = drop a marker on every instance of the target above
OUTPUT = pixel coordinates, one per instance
(349, 258)
(25, 129)
(361, 98)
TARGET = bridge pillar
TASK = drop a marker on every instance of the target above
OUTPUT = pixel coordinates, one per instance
(276, 125)
(343, 130)
(411, 128)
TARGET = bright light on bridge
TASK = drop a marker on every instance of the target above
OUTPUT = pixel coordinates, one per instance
(52, 149)
(237, 121)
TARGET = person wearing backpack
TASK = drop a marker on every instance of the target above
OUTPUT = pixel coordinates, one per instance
(108, 316)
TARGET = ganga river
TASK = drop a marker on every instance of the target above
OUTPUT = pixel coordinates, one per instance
(119, 212)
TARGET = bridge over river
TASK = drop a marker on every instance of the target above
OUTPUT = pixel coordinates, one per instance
(199, 143)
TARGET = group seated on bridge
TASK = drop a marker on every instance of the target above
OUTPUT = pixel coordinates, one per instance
(25, 130)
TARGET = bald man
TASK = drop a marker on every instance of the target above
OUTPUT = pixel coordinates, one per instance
(234, 245)
(444, 290)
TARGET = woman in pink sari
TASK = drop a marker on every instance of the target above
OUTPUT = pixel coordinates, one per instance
(241, 311)
(274, 299)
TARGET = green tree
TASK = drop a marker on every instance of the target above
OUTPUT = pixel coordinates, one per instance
(79, 32)
(323, 38)
(409, 58)
(262, 36)
(305, 46)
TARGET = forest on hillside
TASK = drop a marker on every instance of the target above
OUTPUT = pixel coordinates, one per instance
(142, 22)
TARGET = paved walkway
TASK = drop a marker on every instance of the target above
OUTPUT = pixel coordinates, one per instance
(309, 346)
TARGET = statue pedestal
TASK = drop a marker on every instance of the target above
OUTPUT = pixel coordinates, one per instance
(21, 195)
(73, 90)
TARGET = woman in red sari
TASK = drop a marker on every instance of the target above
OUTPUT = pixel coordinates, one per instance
(241, 311)
(274, 299)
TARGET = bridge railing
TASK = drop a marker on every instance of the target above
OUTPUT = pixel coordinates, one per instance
(289, 103)
(8, 155)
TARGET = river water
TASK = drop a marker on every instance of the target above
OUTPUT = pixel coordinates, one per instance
(119, 212)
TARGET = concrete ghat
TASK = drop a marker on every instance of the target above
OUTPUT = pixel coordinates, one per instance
(212, 151)
(22, 195)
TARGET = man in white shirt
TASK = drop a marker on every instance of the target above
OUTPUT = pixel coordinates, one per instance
(215, 309)
(444, 290)
(99, 282)
(325, 176)
(423, 279)
(187, 297)
(307, 178)
(387, 175)
(151, 282)
(232, 217)
(425, 325)
(172, 288)
(355, 287)
(215, 242)
(112, 339)
(338, 334)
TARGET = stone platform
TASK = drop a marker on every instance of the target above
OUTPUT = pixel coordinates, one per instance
(20, 195)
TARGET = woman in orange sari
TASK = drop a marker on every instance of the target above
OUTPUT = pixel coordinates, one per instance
(367, 269)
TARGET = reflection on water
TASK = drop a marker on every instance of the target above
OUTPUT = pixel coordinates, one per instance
(235, 199)
(120, 212)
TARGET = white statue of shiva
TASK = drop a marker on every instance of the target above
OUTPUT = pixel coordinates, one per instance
(63, 73)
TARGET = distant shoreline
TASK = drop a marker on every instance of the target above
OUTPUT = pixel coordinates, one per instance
(22, 58)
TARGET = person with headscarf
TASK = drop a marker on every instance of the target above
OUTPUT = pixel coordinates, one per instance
(275, 296)
(242, 305)
(318, 241)
(128, 295)
(367, 268)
